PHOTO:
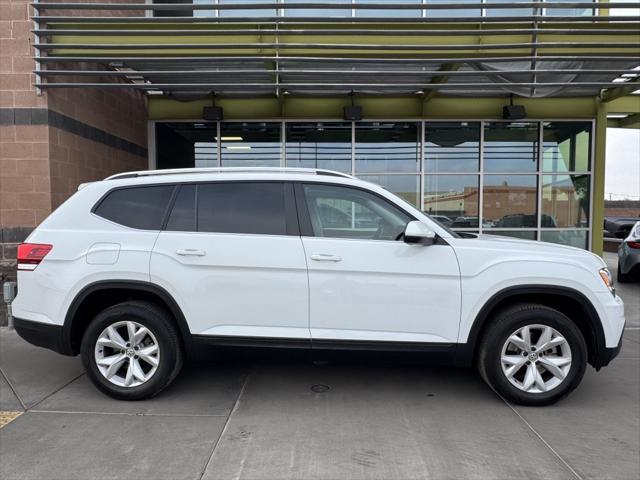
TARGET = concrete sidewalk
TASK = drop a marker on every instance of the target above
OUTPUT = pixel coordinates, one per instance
(263, 420)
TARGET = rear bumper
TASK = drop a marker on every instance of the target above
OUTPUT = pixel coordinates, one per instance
(629, 262)
(42, 335)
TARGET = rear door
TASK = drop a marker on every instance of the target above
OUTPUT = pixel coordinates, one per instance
(231, 255)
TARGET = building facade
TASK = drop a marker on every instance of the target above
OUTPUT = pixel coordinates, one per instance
(409, 94)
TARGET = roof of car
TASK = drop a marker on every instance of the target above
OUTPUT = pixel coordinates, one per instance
(181, 172)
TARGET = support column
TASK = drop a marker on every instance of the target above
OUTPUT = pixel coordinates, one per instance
(598, 172)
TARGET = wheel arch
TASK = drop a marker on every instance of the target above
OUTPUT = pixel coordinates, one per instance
(97, 296)
(567, 300)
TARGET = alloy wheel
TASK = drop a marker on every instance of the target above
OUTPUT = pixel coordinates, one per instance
(127, 354)
(536, 358)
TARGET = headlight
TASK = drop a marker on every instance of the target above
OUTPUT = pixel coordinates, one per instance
(605, 274)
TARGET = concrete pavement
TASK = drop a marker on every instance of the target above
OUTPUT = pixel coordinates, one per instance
(266, 420)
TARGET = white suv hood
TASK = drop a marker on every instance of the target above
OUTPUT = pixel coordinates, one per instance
(534, 249)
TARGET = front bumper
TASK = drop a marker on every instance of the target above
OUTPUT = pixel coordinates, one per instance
(42, 335)
(608, 354)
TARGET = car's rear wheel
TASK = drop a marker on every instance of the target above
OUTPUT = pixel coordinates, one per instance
(132, 351)
(532, 354)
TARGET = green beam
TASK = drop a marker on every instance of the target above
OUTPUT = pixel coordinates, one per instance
(599, 161)
(374, 107)
(615, 93)
(628, 104)
(315, 44)
(630, 121)
(428, 95)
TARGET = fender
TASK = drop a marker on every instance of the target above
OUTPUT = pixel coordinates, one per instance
(466, 352)
(131, 285)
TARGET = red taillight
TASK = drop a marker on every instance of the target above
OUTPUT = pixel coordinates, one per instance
(633, 244)
(31, 254)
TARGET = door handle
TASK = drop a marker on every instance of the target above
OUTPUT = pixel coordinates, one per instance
(191, 252)
(325, 257)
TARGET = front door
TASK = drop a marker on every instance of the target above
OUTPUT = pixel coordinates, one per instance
(365, 283)
(232, 257)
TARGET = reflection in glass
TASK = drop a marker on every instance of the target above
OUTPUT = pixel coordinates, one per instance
(341, 212)
(510, 201)
(386, 13)
(452, 199)
(456, 12)
(566, 146)
(245, 12)
(509, 12)
(196, 13)
(574, 238)
(182, 12)
(186, 145)
(510, 147)
(565, 198)
(452, 147)
(567, 12)
(206, 154)
(406, 187)
(319, 145)
(317, 12)
(250, 144)
(387, 147)
(525, 235)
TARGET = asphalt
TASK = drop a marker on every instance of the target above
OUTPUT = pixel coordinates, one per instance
(297, 419)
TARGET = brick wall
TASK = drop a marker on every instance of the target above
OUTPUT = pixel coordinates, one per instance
(75, 160)
(622, 208)
(52, 142)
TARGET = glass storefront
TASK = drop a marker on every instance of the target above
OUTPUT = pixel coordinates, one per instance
(319, 145)
(387, 147)
(341, 12)
(250, 144)
(524, 179)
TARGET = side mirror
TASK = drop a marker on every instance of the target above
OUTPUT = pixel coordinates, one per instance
(418, 233)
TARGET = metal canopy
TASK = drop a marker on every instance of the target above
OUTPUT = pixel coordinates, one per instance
(539, 54)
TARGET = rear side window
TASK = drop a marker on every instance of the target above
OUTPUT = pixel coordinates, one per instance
(233, 207)
(183, 213)
(237, 207)
(136, 207)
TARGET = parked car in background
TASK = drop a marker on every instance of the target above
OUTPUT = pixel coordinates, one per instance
(470, 222)
(619, 227)
(443, 219)
(145, 269)
(520, 220)
(629, 256)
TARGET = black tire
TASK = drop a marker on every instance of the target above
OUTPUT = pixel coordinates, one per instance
(157, 321)
(621, 277)
(508, 321)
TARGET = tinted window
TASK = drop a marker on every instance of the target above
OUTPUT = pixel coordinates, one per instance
(342, 212)
(138, 207)
(183, 214)
(235, 207)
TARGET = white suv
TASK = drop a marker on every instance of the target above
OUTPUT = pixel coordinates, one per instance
(142, 270)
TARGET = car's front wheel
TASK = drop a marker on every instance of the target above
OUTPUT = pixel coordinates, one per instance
(132, 351)
(532, 354)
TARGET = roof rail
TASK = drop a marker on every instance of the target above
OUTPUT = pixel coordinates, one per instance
(181, 171)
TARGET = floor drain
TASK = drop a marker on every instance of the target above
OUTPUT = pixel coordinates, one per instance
(320, 388)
